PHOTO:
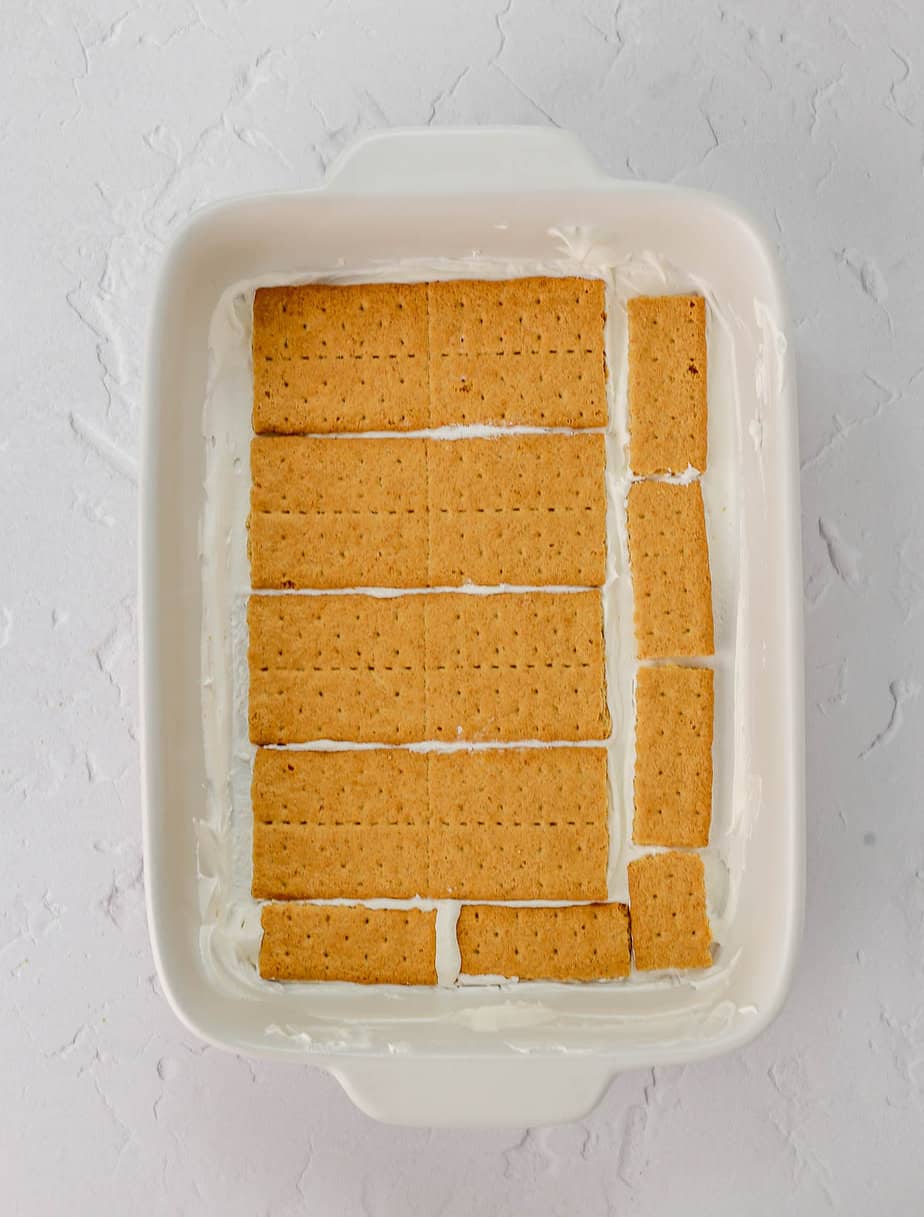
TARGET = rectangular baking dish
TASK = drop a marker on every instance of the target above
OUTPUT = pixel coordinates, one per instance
(527, 1054)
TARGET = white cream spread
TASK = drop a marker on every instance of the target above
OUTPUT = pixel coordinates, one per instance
(230, 931)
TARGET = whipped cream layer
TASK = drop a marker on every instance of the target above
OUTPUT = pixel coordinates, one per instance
(230, 928)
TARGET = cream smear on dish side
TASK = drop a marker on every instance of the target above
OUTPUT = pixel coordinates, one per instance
(230, 929)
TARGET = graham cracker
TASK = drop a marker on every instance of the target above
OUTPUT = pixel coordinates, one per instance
(333, 824)
(524, 509)
(667, 900)
(571, 942)
(340, 358)
(391, 356)
(345, 512)
(453, 666)
(348, 942)
(673, 756)
(519, 824)
(336, 667)
(498, 824)
(525, 666)
(328, 513)
(527, 351)
(669, 557)
(667, 384)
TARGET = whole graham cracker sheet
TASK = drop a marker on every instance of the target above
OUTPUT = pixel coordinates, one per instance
(403, 357)
(414, 512)
(446, 666)
(508, 824)
(348, 942)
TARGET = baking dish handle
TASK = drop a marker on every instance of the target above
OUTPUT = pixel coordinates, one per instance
(454, 160)
(470, 1093)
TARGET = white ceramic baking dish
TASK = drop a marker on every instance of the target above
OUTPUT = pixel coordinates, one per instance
(527, 1054)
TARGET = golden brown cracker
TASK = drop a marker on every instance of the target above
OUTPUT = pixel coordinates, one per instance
(673, 756)
(338, 550)
(381, 356)
(348, 942)
(332, 512)
(344, 512)
(498, 824)
(669, 558)
(518, 351)
(571, 942)
(446, 666)
(340, 358)
(532, 316)
(333, 824)
(667, 384)
(667, 902)
(519, 824)
(516, 667)
(525, 509)
(336, 667)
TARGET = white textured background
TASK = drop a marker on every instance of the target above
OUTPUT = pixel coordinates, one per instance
(115, 122)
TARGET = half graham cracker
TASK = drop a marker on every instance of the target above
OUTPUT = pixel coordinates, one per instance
(451, 666)
(667, 900)
(348, 942)
(518, 351)
(571, 942)
(337, 668)
(524, 509)
(354, 824)
(518, 666)
(339, 513)
(519, 824)
(340, 358)
(669, 559)
(496, 824)
(328, 513)
(667, 384)
(673, 756)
